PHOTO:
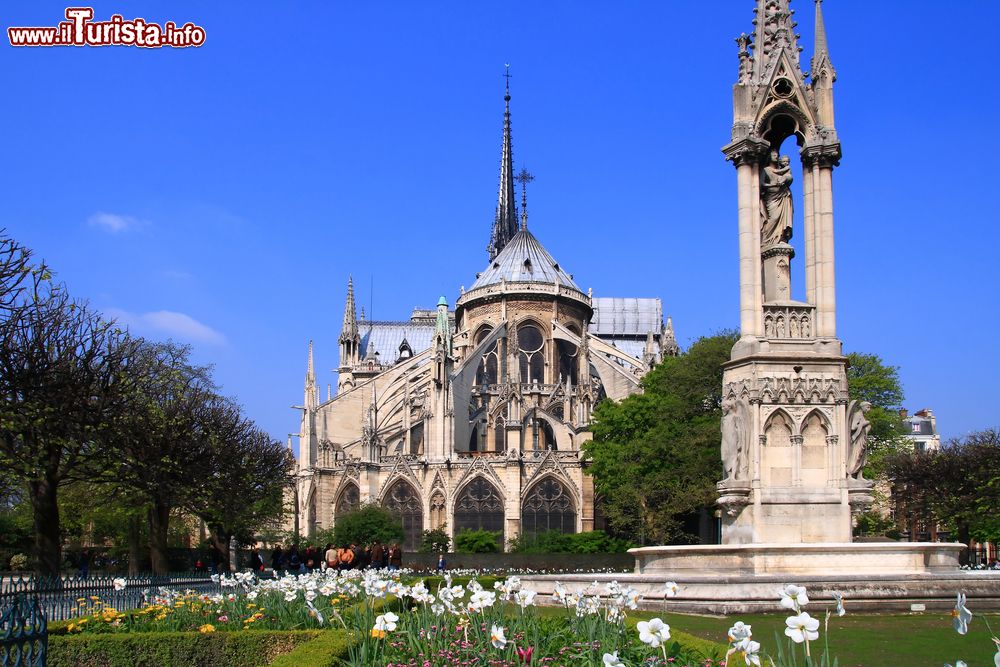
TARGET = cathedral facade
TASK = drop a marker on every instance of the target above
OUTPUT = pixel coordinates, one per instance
(473, 417)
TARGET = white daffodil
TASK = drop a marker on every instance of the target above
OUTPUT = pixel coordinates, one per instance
(839, 597)
(670, 589)
(996, 658)
(525, 598)
(119, 583)
(386, 622)
(559, 593)
(751, 652)
(497, 638)
(437, 609)
(739, 632)
(611, 660)
(315, 613)
(654, 632)
(960, 663)
(802, 627)
(793, 597)
(960, 615)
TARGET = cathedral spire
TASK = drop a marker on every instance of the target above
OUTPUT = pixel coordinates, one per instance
(350, 328)
(505, 222)
(311, 392)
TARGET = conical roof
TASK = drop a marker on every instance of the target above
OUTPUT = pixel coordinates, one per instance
(524, 259)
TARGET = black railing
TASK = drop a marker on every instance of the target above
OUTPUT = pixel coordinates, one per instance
(62, 598)
(24, 635)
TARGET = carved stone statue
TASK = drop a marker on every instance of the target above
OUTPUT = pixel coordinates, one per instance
(858, 446)
(735, 439)
(776, 201)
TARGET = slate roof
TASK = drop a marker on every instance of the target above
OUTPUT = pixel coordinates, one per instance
(388, 336)
(620, 317)
(524, 259)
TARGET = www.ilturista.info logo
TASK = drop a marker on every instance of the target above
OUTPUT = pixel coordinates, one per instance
(81, 30)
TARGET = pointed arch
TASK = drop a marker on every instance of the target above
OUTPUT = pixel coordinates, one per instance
(404, 500)
(776, 455)
(815, 429)
(479, 505)
(348, 500)
(548, 504)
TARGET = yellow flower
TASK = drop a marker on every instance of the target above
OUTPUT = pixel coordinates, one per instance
(208, 627)
(378, 634)
(71, 628)
(81, 599)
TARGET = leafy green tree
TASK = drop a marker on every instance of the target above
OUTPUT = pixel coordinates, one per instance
(655, 456)
(870, 379)
(589, 542)
(368, 523)
(477, 541)
(435, 541)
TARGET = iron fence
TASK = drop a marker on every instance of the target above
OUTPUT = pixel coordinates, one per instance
(65, 597)
(24, 635)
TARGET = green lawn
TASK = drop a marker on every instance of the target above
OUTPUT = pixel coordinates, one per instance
(910, 640)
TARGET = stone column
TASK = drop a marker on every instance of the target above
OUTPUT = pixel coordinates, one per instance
(828, 312)
(809, 232)
(745, 154)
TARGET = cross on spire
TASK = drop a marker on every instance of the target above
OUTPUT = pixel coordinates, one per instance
(524, 177)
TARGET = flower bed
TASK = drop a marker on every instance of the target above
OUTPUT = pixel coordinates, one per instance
(368, 618)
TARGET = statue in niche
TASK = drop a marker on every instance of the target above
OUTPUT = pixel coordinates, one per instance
(806, 331)
(793, 327)
(858, 446)
(780, 330)
(776, 201)
(735, 439)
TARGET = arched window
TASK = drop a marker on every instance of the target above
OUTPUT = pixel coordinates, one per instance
(776, 463)
(402, 499)
(814, 451)
(500, 434)
(537, 433)
(417, 438)
(487, 373)
(531, 355)
(349, 500)
(479, 507)
(567, 361)
(548, 506)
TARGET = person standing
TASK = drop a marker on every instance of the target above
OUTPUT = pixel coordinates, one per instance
(442, 564)
(378, 555)
(257, 561)
(395, 557)
(330, 557)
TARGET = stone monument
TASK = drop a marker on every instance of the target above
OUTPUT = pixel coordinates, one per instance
(793, 444)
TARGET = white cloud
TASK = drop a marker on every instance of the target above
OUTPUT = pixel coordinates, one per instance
(114, 223)
(168, 324)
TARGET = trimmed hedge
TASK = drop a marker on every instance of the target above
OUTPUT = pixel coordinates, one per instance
(191, 649)
(326, 650)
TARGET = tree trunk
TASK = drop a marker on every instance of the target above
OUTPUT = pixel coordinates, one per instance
(965, 557)
(134, 531)
(159, 519)
(48, 542)
(220, 542)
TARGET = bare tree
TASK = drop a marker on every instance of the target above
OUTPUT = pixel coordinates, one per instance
(63, 381)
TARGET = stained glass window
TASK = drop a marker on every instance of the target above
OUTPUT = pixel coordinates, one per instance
(479, 507)
(349, 500)
(548, 506)
(402, 499)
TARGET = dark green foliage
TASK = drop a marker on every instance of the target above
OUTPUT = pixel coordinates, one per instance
(367, 524)
(191, 649)
(477, 542)
(875, 524)
(957, 488)
(655, 456)
(435, 541)
(869, 379)
(591, 542)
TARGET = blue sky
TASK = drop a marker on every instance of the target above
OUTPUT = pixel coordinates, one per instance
(222, 195)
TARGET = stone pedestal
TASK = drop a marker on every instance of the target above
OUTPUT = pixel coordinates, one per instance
(777, 269)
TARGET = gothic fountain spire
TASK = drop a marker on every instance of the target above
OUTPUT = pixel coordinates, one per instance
(350, 328)
(774, 34)
(311, 391)
(505, 222)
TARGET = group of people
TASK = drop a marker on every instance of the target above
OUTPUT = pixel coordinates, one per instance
(345, 557)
